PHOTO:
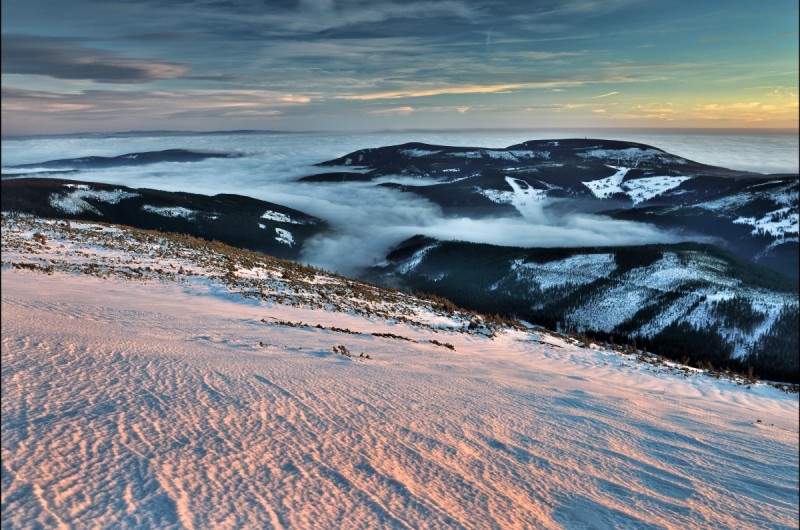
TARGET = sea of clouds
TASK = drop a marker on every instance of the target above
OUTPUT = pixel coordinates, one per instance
(367, 220)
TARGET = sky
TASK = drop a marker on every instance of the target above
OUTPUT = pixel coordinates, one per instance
(359, 65)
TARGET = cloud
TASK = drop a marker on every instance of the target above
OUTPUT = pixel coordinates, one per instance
(398, 111)
(62, 59)
(606, 95)
(366, 220)
(549, 55)
(460, 52)
(464, 89)
(573, 230)
(315, 16)
(425, 92)
(149, 103)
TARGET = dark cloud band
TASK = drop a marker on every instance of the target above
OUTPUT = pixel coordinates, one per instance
(62, 59)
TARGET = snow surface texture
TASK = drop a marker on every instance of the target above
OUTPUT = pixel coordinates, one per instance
(142, 388)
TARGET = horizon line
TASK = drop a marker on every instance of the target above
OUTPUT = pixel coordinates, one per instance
(390, 131)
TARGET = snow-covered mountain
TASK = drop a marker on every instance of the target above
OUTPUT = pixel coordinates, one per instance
(234, 219)
(686, 300)
(541, 186)
(163, 381)
(623, 172)
(757, 220)
(754, 216)
(128, 159)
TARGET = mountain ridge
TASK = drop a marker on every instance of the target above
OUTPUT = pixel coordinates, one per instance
(754, 217)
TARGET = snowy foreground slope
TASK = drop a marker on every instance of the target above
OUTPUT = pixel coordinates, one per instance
(162, 382)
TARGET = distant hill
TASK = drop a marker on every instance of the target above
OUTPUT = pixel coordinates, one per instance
(234, 219)
(688, 301)
(754, 216)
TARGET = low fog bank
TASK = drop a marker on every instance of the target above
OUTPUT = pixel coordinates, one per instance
(366, 220)
(763, 151)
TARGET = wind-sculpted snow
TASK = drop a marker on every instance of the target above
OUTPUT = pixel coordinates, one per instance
(185, 399)
(177, 400)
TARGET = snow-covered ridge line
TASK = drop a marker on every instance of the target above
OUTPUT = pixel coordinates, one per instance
(633, 155)
(95, 248)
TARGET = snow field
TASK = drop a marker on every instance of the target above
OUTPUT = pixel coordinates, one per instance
(639, 190)
(170, 211)
(183, 404)
(284, 236)
(776, 223)
(74, 202)
(279, 217)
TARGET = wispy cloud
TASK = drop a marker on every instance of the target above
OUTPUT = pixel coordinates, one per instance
(62, 59)
(424, 92)
(549, 55)
(402, 111)
(149, 104)
(370, 59)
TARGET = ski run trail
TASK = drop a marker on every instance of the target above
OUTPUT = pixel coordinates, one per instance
(164, 382)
